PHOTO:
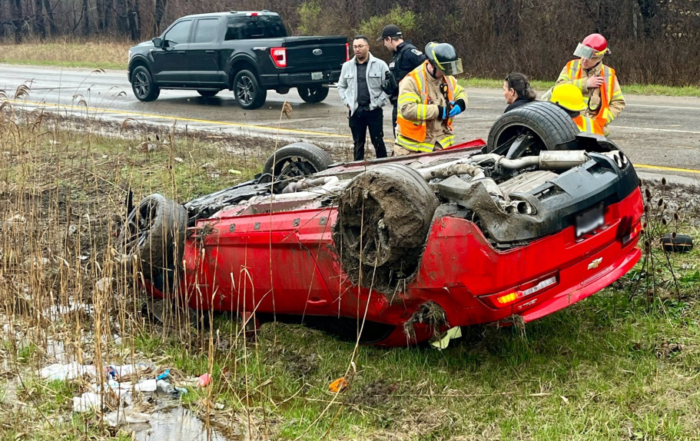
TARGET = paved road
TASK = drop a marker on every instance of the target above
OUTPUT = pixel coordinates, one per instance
(658, 133)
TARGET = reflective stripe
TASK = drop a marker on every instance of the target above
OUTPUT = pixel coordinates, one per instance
(414, 146)
(574, 69)
(447, 141)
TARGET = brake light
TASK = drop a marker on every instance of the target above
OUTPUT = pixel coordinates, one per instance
(636, 231)
(279, 56)
(511, 296)
(347, 51)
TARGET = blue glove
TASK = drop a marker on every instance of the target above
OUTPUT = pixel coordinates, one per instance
(443, 112)
(456, 110)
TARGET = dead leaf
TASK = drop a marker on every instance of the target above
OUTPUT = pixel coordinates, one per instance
(287, 110)
(338, 385)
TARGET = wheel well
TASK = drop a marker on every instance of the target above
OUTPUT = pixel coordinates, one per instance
(136, 63)
(238, 66)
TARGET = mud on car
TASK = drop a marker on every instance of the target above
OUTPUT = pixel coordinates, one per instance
(537, 218)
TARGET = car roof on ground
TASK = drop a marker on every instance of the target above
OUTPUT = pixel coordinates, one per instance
(229, 13)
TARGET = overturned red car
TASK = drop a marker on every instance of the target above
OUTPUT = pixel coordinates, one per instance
(539, 217)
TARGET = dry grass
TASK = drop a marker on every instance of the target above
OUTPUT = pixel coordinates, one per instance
(109, 54)
(619, 365)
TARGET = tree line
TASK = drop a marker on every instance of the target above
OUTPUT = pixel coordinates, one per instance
(652, 41)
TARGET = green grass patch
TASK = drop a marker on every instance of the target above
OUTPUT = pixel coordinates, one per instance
(60, 63)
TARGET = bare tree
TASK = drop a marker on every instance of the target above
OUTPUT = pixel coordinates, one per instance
(17, 18)
(134, 20)
(161, 5)
(122, 10)
(85, 14)
(39, 26)
(49, 14)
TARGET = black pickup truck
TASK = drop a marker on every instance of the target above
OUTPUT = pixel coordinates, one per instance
(246, 52)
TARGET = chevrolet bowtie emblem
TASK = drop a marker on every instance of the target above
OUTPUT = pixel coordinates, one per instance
(595, 263)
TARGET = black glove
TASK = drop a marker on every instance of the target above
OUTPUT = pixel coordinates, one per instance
(442, 113)
(389, 84)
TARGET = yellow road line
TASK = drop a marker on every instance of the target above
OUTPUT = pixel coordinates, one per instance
(250, 126)
(658, 167)
(128, 113)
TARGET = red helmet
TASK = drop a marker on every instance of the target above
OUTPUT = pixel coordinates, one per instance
(595, 45)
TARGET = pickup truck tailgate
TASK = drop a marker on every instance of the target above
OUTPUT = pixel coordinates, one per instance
(315, 53)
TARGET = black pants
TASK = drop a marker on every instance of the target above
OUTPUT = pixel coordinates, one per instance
(394, 114)
(359, 123)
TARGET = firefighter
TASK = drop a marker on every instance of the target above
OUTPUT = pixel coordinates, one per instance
(429, 99)
(570, 98)
(597, 82)
(405, 58)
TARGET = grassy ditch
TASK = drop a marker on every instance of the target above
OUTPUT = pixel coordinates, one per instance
(619, 365)
(113, 55)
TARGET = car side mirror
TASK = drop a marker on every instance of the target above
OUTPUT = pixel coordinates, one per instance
(157, 42)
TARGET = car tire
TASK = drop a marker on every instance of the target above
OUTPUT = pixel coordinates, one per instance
(247, 90)
(313, 94)
(384, 216)
(143, 86)
(154, 235)
(298, 159)
(551, 127)
(208, 93)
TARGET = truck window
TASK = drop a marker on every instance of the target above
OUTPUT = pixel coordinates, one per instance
(205, 31)
(249, 28)
(180, 33)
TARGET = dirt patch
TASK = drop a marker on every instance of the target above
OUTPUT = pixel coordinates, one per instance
(296, 364)
(384, 216)
(372, 394)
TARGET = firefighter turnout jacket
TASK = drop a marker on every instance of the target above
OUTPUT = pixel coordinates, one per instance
(588, 125)
(605, 102)
(420, 127)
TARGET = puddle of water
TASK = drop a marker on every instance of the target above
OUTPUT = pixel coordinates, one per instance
(175, 424)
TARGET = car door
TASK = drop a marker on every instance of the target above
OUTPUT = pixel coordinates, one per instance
(169, 61)
(203, 53)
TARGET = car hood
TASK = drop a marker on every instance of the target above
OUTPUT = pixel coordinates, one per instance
(144, 44)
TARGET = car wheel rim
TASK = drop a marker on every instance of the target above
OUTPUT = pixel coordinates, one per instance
(245, 90)
(138, 228)
(295, 167)
(141, 85)
(509, 134)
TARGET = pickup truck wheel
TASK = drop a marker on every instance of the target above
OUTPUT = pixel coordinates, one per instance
(313, 94)
(384, 216)
(298, 159)
(154, 235)
(208, 93)
(143, 85)
(247, 90)
(538, 126)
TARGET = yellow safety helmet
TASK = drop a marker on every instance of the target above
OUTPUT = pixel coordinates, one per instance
(569, 97)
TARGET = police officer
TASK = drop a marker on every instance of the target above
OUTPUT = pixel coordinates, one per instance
(405, 58)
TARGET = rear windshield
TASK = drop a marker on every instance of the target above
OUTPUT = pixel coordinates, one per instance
(261, 26)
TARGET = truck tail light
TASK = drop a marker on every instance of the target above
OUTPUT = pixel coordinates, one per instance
(511, 296)
(347, 51)
(279, 56)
